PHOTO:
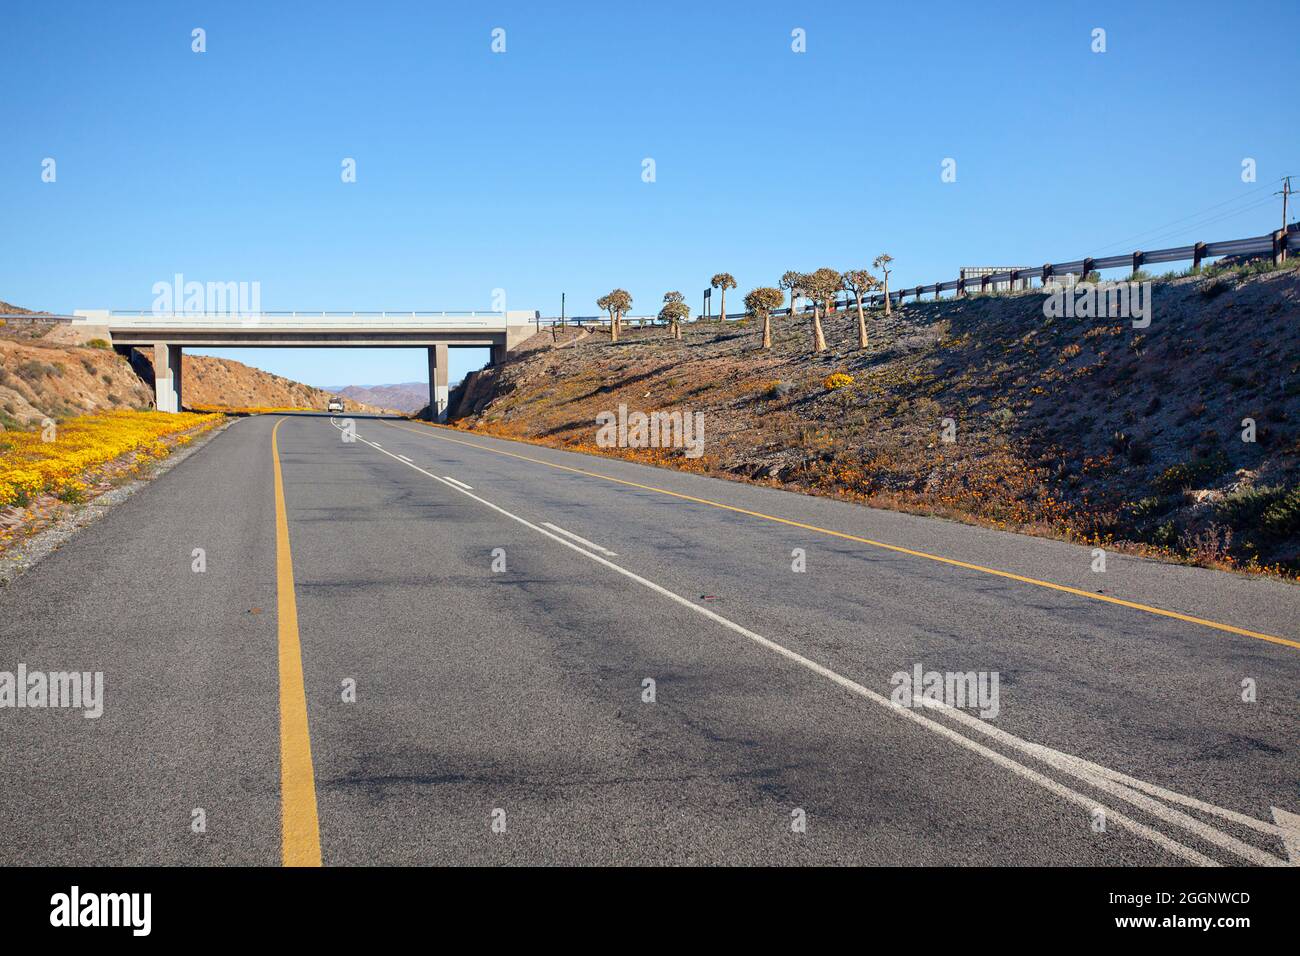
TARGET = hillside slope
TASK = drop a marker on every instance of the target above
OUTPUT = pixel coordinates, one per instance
(39, 381)
(223, 383)
(1081, 428)
(7, 308)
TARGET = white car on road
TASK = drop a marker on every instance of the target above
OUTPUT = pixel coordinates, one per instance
(335, 405)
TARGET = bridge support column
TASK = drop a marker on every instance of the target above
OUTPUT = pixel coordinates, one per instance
(167, 377)
(438, 383)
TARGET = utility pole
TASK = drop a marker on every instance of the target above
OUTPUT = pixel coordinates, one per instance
(561, 310)
(1286, 192)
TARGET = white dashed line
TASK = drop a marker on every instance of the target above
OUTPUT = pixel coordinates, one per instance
(569, 534)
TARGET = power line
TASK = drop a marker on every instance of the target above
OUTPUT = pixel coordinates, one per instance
(1161, 230)
(1249, 195)
(1167, 234)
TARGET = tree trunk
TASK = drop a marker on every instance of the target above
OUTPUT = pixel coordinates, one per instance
(819, 340)
(677, 330)
(722, 306)
(885, 286)
(613, 326)
(767, 330)
(862, 323)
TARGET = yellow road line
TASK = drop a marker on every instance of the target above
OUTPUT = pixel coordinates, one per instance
(1228, 628)
(300, 827)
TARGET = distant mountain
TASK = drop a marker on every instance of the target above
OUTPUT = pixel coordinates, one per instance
(406, 397)
(224, 383)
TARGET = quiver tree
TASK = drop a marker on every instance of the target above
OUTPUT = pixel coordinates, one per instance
(882, 262)
(603, 304)
(674, 311)
(618, 302)
(723, 281)
(860, 282)
(759, 303)
(792, 282)
(821, 287)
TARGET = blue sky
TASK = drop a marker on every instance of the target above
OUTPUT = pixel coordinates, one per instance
(523, 170)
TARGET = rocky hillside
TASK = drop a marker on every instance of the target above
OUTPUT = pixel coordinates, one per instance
(43, 374)
(39, 381)
(8, 309)
(1086, 429)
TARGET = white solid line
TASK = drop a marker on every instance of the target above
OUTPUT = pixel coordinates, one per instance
(405, 459)
(580, 540)
(1127, 788)
(458, 484)
(1289, 826)
(943, 730)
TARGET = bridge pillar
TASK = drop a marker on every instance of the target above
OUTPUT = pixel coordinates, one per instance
(167, 377)
(438, 383)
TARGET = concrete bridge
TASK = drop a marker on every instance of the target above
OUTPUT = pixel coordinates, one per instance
(168, 333)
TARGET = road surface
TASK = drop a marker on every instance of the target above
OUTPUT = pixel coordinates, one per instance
(431, 647)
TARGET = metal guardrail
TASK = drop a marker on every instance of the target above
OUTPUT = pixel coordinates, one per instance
(1274, 244)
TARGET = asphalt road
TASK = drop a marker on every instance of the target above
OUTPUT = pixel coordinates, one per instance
(501, 715)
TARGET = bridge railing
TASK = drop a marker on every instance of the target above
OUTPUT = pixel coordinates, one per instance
(308, 320)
